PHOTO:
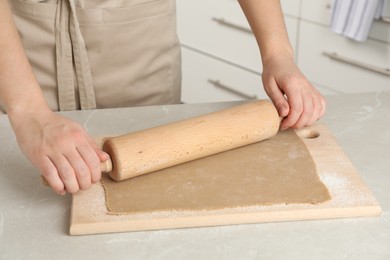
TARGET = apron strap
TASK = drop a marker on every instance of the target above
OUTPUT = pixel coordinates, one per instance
(71, 54)
(64, 58)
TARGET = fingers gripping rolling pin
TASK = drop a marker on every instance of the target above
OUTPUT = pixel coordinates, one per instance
(160, 147)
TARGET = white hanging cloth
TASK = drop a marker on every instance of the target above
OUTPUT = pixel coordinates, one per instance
(354, 18)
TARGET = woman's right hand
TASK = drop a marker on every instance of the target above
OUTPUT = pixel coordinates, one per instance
(66, 156)
(60, 148)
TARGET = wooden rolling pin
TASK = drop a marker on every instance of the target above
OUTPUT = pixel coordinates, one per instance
(160, 147)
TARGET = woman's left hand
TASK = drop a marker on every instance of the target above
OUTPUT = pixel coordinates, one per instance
(296, 100)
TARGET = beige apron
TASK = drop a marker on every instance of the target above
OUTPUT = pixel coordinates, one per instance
(90, 54)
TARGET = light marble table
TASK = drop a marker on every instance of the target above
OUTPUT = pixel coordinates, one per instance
(34, 222)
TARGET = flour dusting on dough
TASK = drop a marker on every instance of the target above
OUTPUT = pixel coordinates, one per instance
(342, 188)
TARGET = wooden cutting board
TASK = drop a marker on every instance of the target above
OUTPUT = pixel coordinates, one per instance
(350, 198)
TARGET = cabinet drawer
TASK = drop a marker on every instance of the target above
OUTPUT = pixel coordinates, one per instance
(219, 28)
(319, 11)
(206, 79)
(290, 7)
(344, 71)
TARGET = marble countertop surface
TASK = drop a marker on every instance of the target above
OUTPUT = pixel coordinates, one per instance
(34, 221)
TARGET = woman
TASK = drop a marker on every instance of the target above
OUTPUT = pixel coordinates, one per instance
(94, 54)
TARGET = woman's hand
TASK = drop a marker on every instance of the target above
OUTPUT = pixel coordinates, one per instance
(60, 148)
(296, 100)
(294, 97)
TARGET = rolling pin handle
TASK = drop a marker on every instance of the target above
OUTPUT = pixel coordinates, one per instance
(106, 166)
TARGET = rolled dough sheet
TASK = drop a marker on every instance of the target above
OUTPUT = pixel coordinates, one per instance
(276, 171)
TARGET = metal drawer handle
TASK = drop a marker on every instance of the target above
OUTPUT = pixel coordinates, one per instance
(222, 21)
(385, 19)
(218, 84)
(336, 56)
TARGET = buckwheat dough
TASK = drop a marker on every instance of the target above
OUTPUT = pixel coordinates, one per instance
(275, 171)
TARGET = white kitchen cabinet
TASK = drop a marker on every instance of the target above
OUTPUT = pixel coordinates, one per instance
(219, 28)
(290, 7)
(319, 11)
(331, 60)
(219, 31)
(206, 79)
(219, 49)
(339, 63)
